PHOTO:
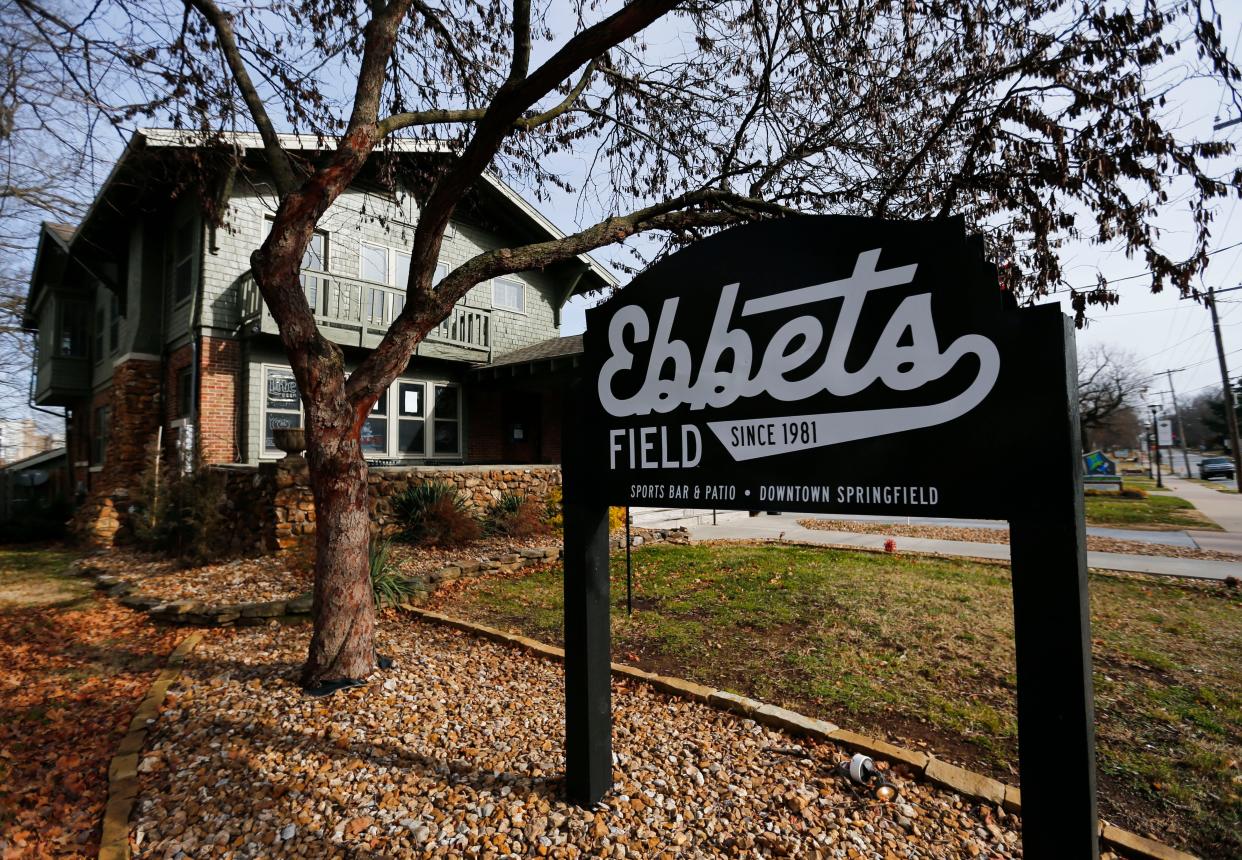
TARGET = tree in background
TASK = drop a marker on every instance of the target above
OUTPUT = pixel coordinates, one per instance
(1209, 411)
(45, 151)
(686, 117)
(1110, 387)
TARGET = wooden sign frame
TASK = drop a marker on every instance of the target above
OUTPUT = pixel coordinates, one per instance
(950, 298)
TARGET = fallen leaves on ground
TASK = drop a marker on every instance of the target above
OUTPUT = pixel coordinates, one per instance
(71, 681)
(240, 580)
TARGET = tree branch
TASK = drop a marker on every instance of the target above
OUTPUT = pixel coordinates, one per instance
(717, 208)
(398, 121)
(278, 159)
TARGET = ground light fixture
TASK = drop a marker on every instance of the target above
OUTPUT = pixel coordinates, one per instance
(861, 770)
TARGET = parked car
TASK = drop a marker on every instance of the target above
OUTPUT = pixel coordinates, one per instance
(1216, 467)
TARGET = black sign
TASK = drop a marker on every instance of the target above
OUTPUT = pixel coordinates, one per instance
(853, 365)
(813, 364)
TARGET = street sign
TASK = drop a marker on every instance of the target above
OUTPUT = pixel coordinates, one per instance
(1164, 433)
(840, 364)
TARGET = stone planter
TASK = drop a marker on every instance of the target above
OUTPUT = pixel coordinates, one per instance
(291, 440)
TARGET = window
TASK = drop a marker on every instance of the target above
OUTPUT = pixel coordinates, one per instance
(447, 420)
(74, 323)
(183, 262)
(282, 405)
(411, 419)
(114, 324)
(509, 294)
(185, 392)
(373, 263)
(99, 439)
(440, 275)
(99, 334)
(401, 269)
(375, 428)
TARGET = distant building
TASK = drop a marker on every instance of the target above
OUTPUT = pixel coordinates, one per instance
(20, 438)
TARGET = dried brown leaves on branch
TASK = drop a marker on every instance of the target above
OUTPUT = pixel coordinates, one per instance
(1039, 122)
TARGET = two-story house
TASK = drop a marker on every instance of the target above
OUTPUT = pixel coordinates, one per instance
(150, 326)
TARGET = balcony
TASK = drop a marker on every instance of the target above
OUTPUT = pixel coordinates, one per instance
(62, 368)
(358, 313)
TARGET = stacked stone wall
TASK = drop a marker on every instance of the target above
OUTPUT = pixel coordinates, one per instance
(271, 507)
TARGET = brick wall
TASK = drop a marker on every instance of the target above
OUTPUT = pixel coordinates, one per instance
(134, 399)
(485, 442)
(219, 366)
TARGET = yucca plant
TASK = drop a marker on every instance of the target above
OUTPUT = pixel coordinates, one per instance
(387, 587)
(433, 514)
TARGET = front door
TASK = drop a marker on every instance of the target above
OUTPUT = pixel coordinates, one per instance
(520, 427)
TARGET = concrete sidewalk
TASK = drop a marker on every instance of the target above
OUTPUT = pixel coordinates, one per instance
(1224, 509)
(786, 527)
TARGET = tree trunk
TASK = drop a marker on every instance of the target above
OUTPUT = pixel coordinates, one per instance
(343, 645)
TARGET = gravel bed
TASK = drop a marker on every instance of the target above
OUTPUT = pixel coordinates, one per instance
(238, 581)
(419, 560)
(457, 751)
(1095, 543)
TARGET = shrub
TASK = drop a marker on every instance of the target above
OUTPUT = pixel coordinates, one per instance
(181, 513)
(387, 587)
(516, 516)
(432, 515)
(554, 509)
(616, 519)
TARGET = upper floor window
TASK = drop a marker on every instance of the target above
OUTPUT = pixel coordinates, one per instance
(114, 323)
(99, 334)
(74, 325)
(183, 262)
(373, 263)
(509, 294)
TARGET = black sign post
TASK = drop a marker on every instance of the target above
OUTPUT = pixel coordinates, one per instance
(843, 365)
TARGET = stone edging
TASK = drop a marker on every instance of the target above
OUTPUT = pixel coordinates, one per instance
(200, 614)
(965, 782)
(123, 770)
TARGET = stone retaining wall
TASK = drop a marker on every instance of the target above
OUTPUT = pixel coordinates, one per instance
(273, 508)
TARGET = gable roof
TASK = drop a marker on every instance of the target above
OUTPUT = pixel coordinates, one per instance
(594, 275)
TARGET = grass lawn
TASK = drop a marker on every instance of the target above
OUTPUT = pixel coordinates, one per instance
(35, 575)
(921, 650)
(1153, 512)
(1148, 484)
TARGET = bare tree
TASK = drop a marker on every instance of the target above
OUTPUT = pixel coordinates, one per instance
(48, 117)
(1015, 115)
(1110, 382)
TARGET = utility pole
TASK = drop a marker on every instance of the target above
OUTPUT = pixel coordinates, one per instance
(1231, 413)
(1181, 430)
(1155, 435)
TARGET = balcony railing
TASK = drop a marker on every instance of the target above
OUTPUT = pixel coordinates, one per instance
(359, 313)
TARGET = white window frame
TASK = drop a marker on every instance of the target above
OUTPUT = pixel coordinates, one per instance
(391, 415)
(264, 368)
(435, 417)
(509, 308)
